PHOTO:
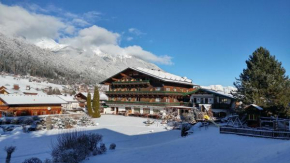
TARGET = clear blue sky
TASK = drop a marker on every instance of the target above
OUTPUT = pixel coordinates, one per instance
(208, 40)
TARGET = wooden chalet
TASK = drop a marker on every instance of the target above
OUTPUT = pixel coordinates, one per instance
(146, 91)
(3, 90)
(23, 105)
(219, 103)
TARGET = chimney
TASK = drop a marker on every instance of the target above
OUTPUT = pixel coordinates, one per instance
(28, 87)
(16, 86)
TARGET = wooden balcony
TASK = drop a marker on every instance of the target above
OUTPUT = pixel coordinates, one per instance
(164, 93)
(148, 103)
(139, 82)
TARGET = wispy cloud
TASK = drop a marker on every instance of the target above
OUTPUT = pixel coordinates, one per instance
(136, 31)
(129, 38)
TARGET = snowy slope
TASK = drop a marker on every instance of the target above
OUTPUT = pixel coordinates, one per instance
(35, 87)
(53, 59)
(137, 143)
(220, 88)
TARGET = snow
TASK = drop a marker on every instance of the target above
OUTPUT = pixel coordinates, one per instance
(31, 99)
(9, 81)
(142, 144)
(103, 96)
(68, 98)
(165, 76)
(220, 88)
(256, 106)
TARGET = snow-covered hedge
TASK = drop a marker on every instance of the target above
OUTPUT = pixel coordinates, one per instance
(76, 146)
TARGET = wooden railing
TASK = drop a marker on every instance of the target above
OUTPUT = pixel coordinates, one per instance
(143, 92)
(148, 103)
(131, 82)
(256, 132)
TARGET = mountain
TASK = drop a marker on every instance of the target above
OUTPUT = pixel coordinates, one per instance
(220, 88)
(61, 63)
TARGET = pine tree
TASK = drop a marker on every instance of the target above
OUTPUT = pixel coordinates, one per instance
(89, 104)
(96, 103)
(264, 83)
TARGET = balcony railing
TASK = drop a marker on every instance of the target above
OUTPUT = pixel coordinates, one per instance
(149, 103)
(131, 82)
(143, 93)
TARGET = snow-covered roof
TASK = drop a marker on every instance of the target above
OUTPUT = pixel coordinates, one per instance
(68, 98)
(103, 96)
(31, 99)
(256, 106)
(159, 74)
(164, 76)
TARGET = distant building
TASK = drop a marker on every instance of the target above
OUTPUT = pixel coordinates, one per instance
(82, 98)
(146, 91)
(220, 104)
(72, 102)
(23, 105)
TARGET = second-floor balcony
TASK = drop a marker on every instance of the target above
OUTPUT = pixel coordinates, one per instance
(134, 82)
(148, 103)
(144, 92)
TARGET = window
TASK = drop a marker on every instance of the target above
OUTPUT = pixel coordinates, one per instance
(167, 89)
(112, 109)
(43, 112)
(157, 100)
(136, 110)
(181, 90)
(146, 111)
(175, 100)
(34, 113)
(167, 100)
(157, 89)
(156, 111)
(174, 89)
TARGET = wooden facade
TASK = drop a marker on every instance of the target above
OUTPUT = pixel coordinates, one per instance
(131, 89)
(28, 109)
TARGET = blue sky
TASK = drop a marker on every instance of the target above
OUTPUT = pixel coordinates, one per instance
(208, 40)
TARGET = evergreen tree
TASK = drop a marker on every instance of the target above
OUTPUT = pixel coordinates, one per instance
(89, 104)
(96, 103)
(264, 83)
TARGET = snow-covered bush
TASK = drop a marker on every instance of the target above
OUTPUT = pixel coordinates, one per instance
(28, 121)
(32, 160)
(103, 148)
(47, 161)
(75, 146)
(112, 146)
(85, 121)
(15, 121)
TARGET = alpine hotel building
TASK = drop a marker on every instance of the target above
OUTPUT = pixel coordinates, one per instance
(146, 91)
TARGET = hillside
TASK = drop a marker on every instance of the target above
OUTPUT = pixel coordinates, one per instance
(65, 65)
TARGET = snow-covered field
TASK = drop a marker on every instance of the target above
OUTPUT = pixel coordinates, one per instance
(9, 81)
(142, 144)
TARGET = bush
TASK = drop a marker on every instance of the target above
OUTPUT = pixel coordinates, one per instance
(184, 129)
(75, 146)
(28, 121)
(103, 148)
(47, 161)
(112, 146)
(32, 160)
(15, 121)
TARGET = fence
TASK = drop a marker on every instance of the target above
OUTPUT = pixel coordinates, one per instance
(256, 132)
